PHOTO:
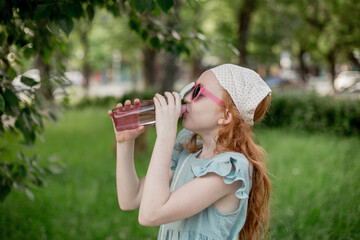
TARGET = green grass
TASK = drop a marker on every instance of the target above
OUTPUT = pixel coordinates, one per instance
(315, 185)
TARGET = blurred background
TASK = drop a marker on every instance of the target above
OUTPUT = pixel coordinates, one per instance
(65, 63)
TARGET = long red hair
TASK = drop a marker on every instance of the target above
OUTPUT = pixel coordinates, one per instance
(238, 136)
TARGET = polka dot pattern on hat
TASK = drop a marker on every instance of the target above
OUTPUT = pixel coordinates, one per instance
(246, 88)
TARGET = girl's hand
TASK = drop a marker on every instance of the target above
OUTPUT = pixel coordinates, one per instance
(126, 135)
(167, 112)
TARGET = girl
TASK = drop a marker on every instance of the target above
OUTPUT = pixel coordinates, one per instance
(210, 181)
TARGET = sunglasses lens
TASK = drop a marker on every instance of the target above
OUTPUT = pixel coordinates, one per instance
(196, 92)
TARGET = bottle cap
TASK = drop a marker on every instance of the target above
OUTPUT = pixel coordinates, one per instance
(186, 89)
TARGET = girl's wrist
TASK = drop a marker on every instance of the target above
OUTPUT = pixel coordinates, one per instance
(127, 143)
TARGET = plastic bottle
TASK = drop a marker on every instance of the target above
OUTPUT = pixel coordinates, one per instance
(141, 114)
(133, 116)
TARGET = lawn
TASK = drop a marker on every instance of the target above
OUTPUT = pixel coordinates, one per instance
(315, 185)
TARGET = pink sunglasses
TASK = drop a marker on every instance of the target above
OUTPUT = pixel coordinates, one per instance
(199, 89)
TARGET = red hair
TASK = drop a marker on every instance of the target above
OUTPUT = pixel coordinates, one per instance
(238, 136)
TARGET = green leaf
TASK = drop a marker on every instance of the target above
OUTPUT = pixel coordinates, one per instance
(2, 4)
(4, 191)
(66, 25)
(47, 54)
(11, 98)
(2, 38)
(29, 193)
(22, 171)
(21, 125)
(28, 52)
(165, 5)
(144, 34)
(28, 81)
(52, 116)
(134, 24)
(157, 11)
(154, 42)
(41, 12)
(10, 39)
(142, 5)
(37, 119)
(11, 72)
(90, 12)
(72, 9)
(2, 103)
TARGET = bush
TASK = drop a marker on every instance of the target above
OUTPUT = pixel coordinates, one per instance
(22, 115)
(314, 113)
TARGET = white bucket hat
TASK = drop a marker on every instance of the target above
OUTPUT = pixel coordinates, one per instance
(246, 88)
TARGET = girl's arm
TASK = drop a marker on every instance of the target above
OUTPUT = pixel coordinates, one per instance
(185, 201)
(129, 187)
(158, 205)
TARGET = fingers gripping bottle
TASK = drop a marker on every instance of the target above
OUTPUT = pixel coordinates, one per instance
(141, 113)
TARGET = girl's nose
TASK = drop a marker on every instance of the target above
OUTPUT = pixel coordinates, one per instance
(187, 97)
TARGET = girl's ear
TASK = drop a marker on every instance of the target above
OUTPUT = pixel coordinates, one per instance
(226, 118)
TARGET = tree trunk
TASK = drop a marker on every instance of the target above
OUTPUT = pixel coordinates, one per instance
(84, 28)
(302, 68)
(149, 66)
(244, 17)
(42, 37)
(86, 65)
(170, 65)
(170, 72)
(87, 74)
(331, 67)
(46, 87)
(197, 68)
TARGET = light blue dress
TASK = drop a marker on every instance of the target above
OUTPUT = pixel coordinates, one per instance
(210, 223)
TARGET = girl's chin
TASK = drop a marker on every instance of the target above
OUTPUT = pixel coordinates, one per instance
(187, 125)
(184, 122)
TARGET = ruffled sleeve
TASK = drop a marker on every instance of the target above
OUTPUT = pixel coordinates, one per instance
(231, 166)
(183, 137)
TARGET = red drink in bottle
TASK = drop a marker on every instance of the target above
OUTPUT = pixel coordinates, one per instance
(136, 115)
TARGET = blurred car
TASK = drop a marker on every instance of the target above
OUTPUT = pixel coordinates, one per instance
(282, 83)
(71, 79)
(275, 81)
(354, 88)
(75, 77)
(347, 81)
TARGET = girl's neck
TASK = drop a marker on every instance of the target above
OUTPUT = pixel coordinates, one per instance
(208, 146)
